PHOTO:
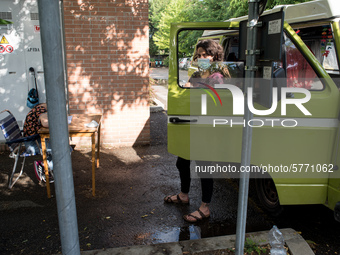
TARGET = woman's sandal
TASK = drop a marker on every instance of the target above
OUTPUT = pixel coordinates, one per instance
(196, 219)
(168, 199)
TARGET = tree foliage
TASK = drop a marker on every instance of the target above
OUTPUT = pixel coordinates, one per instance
(156, 8)
(173, 13)
(164, 12)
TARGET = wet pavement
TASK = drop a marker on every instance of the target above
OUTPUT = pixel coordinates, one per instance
(129, 210)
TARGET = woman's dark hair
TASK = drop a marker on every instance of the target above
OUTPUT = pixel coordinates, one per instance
(212, 48)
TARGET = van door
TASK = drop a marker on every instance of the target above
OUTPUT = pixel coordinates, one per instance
(184, 104)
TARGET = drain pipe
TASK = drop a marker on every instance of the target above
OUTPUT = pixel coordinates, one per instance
(51, 42)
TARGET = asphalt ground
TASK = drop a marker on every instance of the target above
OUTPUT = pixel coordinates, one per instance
(128, 209)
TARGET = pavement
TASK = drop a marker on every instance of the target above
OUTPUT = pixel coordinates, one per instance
(128, 215)
(296, 245)
(161, 98)
(160, 89)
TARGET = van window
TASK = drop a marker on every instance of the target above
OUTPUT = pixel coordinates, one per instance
(299, 72)
(187, 40)
(218, 71)
(321, 42)
(296, 71)
(231, 50)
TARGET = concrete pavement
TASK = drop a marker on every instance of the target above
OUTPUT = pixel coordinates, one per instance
(161, 96)
(128, 210)
(161, 88)
(296, 245)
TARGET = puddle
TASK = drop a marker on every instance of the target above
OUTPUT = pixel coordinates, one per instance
(192, 232)
(177, 234)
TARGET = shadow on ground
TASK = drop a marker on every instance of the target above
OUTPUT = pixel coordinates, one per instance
(128, 208)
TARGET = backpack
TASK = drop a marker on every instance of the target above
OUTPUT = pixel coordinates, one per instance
(33, 96)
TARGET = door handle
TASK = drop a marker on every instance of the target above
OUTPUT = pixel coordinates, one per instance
(178, 120)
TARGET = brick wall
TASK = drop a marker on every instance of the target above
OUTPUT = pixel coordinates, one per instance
(107, 45)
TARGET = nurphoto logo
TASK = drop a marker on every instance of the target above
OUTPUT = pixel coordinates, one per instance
(239, 104)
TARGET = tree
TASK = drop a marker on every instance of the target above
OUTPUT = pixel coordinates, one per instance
(272, 3)
(156, 8)
(165, 12)
(173, 13)
(239, 8)
(207, 10)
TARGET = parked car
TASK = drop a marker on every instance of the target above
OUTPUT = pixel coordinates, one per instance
(182, 63)
(188, 64)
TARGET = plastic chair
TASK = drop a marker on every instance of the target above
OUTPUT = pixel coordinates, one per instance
(15, 140)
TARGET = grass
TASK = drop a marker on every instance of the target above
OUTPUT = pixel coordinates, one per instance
(251, 247)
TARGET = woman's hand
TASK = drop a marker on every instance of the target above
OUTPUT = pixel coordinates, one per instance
(187, 85)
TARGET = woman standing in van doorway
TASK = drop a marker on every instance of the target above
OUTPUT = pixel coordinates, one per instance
(209, 55)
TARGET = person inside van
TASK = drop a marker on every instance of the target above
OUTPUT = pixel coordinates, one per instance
(211, 70)
(209, 55)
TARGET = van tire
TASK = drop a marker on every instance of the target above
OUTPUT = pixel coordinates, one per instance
(268, 196)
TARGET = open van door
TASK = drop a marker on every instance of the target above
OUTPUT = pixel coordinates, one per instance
(181, 107)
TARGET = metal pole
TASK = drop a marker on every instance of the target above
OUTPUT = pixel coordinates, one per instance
(61, 7)
(247, 130)
(51, 42)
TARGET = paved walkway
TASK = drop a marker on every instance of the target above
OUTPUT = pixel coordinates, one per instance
(296, 245)
(161, 73)
(161, 93)
(161, 89)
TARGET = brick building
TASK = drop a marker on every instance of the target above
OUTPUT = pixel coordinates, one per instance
(107, 46)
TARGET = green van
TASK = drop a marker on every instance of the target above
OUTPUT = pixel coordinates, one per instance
(295, 152)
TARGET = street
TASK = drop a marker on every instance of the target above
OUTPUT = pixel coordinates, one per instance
(162, 73)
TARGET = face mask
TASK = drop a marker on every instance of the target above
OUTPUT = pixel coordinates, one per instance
(203, 63)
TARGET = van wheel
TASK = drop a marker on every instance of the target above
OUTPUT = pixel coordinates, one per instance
(267, 194)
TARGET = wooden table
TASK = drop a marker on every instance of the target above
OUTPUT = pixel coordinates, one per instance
(77, 128)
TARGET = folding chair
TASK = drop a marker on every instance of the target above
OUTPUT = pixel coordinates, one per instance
(15, 140)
